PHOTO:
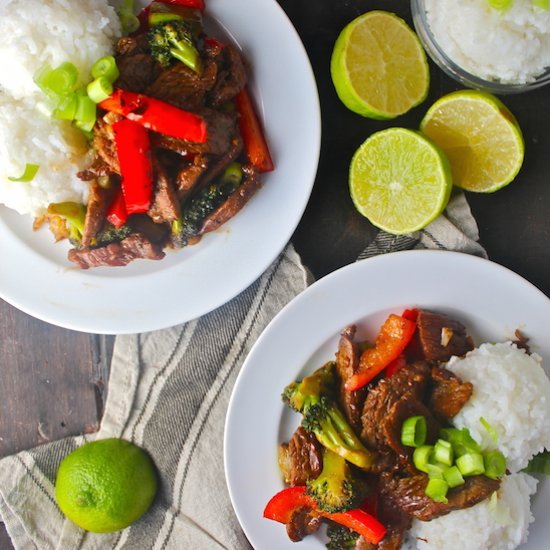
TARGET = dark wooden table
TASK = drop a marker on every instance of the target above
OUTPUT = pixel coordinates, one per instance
(53, 380)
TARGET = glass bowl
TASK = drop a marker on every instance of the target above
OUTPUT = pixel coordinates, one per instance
(451, 68)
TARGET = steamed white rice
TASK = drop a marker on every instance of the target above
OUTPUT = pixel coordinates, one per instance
(511, 46)
(501, 524)
(36, 33)
(512, 394)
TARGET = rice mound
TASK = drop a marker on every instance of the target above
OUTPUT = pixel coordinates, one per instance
(511, 46)
(36, 33)
(499, 525)
(512, 393)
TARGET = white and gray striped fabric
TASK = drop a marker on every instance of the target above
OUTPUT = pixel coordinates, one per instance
(168, 392)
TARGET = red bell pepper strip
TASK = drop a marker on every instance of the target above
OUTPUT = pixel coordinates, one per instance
(117, 213)
(157, 115)
(254, 141)
(136, 170)
(395, 365)
(195, 4)
(394, 335)
(281, 507)
(410, 314)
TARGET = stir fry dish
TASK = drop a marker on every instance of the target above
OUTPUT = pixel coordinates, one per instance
(177, 146)
(376, 447)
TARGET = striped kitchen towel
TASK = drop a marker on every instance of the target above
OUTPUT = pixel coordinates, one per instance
(168, 392)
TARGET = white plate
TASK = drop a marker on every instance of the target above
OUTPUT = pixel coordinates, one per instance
(489, 299)
(36, 277)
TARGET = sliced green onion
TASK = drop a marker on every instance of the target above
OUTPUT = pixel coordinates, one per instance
(470, 464)
(443, 452)
(73, 212)
(501, 5)
(86, 127)
(437, 490)
(28, 174)
(66, 108)
(59, 81)
(435, 470)
(233, 175)
(539, 464)
(160, 17)
(85, 109)
(128, 21)
(421, 457)
(542, 4)
(495, 464)
(453, 477)
(413, 431)
(99, 89)
(461, 440)
(490, 430)
(106, 66)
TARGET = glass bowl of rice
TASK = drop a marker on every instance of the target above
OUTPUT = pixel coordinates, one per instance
(501, 51)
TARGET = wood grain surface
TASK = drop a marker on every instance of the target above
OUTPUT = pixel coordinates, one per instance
(53, 380)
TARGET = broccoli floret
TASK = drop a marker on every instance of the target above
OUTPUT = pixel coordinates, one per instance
(336, 489)
(313, 398)
(171, 40)
(111, 234)
(340, 537)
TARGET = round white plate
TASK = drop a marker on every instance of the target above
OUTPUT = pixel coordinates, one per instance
(36, 277)
(489, 299)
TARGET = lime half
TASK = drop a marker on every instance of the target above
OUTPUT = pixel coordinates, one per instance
(480, 136)
(399, 180)
(378, 66)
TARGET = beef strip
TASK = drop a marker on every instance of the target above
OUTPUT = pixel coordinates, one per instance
(98, 169)
(131, 45)
(412, 378)
(448, 393)
(301, 524)
(165, 207)
(222, 127)
(408, 494)
(104, 141)
(302, 458)
(96, 210)
(235, 202)
(221, 162)
(231, 77)
(183, 87)
(441, 337)
(347, 363)
(137, 72)
(118, 253)
(189, 175)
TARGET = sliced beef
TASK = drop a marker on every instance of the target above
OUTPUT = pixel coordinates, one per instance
(98, 169)
(183, 87)
(104, 141)
(137, 72)
(118, 253)
(301, 524)
(408, 494)
(448, 393)
(189, 175)
(231, 76)
(222, 127)
(220, 163)
(397, 524)
(441, 337)
(166, 206)
(131, 45)
(412, 379)
(234, 203)
(98, 202)
(347, 363)
(302, 458)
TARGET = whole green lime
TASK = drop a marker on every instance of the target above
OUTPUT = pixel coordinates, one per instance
(106, 485)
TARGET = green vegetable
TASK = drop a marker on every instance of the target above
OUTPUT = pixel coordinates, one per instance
(99, 89)
(336, 489)
(495, 464)
(28, 174)
(74, 214)
(413, 431)
(539, 464)
(59, 81)
(204, 203)
(470, 464)
(106, 67)
(128, 20)
(174, 40)
(501, 5)
(313, 398)
(453, 477)
(341, 537)
(437, 489)
(543, 4)
(490, 430)
(461, 440)
(421, 457)
(443, 452)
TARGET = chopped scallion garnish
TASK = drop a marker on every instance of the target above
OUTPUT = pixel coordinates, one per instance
(106, 67)
(128, 21)
(443, 452)
(421, 457)
(470, 464)
(494, 464)
(490, 430)
(437, 489)
(453, 477)
(413, 431)
(28, 174)
(99, 89)
(85, 109)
